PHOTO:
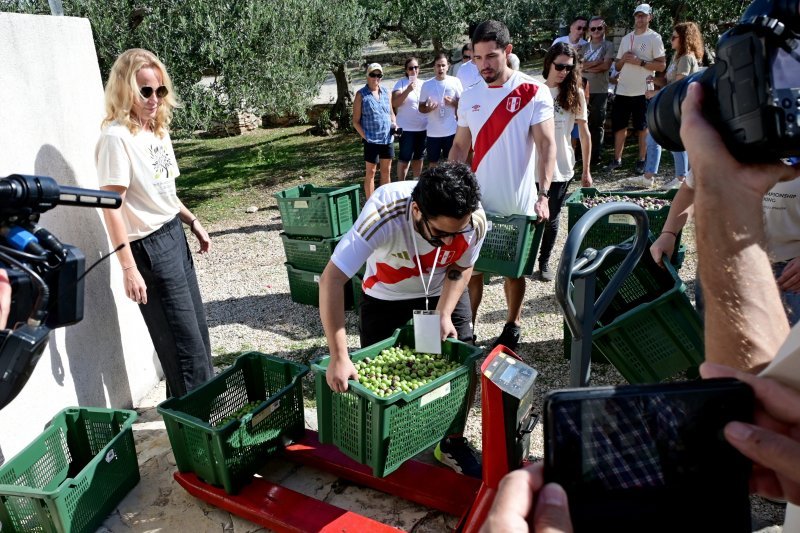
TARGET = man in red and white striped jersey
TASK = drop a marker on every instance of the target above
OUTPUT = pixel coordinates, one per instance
(508, 122)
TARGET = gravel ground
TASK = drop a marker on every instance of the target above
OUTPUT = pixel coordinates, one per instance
(246, 290)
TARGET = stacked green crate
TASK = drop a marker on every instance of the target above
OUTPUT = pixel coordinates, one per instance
(314, 219)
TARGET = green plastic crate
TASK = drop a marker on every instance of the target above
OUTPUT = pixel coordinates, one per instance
(73, 475)
(319, 211)
(510, 246)
(304, 287)
(308, 253)
(383, 433)
(228, 455)
(650, 331)
(618, 228)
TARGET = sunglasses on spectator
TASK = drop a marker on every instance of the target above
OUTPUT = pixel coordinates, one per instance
(596, 28)
(415, 67)
(375, 74)
(559, 67)
(147, 91)
(580, 28)
(466, 58)
(437, 240)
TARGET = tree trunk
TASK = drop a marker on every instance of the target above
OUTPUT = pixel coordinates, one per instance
(343, 108)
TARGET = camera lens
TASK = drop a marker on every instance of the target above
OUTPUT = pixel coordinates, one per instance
(664, 112)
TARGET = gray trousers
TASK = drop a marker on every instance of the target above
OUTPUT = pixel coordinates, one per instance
(174, 311)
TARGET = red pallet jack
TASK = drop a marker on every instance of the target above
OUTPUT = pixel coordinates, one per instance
(507, 420)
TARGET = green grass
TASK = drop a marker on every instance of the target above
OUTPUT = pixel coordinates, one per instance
(222, 175)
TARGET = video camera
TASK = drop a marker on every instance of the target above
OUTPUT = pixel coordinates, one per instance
(46, 275)
(752, 92)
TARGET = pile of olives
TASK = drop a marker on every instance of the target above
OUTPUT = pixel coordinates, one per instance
(247, 408)
(399, 369)
(646, 202)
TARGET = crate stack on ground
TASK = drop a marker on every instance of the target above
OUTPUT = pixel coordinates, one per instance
(617, 229)
(510, 246)
(314, 219)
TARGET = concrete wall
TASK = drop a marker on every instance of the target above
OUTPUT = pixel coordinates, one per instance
(52, 106)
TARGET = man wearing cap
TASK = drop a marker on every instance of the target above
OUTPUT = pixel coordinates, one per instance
(373, 118)
(641, 54)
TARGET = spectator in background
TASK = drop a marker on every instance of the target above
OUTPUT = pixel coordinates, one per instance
(466, 57)
(687, 42)
(468, 73)
(373, 119)
(439, 101)
(405, 100)
(641, 54)
(562, 75)
(598, 54)
(577, 31)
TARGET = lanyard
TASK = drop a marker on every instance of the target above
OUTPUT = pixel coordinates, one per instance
(425, 287)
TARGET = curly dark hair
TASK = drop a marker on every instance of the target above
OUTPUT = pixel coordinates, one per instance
(568, 89)
(449, 189)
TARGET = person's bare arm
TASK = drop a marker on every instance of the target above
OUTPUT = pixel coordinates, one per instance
(745, 322)
(544, 141)
(331, 312)
(357, 116)
(455, 283)
(196, 227)
(680, 211)
(461, 145)
(135, 287)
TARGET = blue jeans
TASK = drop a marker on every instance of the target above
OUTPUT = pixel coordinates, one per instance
(174, 312)
(654, 158)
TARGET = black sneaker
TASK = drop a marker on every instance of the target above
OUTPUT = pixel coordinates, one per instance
(509, 337)
(456, 453)
(547, 273)
(638, 168)
(614, 165)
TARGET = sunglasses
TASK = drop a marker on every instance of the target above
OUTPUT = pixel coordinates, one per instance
(466, 58)
(559, 67)
(415, 67)
(376, 75)
(147, 91)
(674, 37)
(437, 240)
(580, 28)
(596, 28)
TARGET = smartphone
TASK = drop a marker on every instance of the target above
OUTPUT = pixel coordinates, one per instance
(650, 457)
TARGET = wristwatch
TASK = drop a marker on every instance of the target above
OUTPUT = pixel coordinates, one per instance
(642, 63)
(545, 193)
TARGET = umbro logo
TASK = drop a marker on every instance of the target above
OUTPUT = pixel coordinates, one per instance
(476, 107)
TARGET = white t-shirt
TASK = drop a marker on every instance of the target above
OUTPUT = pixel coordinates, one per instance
(382, 238)
(442, 120)
(633, 78)
(469, 75)
(408, 116)
(500, 120)
(564, 168)
(146, 166)
(565, 39)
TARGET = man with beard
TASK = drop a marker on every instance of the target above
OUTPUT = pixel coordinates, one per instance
(508, 122)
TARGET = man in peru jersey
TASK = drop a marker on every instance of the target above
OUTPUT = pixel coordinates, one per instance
(417, 238)
(509, 124)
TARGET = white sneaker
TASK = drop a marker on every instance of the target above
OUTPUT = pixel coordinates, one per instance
(674, 183)
(642, 182)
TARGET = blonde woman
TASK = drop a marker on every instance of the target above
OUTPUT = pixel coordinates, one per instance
(134, 158)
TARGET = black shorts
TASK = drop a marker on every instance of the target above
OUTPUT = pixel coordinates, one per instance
(412, 146)
(374, 152)
(439, 147)
(379, 318)
(626, 107)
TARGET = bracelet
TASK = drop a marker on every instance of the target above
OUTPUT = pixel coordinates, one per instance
(128, 268)
(671, 233)
(191, 224)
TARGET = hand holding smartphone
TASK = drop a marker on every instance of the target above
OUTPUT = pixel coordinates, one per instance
(650, 457)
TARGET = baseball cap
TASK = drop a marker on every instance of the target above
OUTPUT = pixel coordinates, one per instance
(374, 66)
(643, 8)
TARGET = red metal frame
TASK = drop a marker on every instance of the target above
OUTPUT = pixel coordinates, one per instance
(433, 486)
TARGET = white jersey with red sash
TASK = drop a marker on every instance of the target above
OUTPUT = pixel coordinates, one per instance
(382, 238)
(500, 120)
